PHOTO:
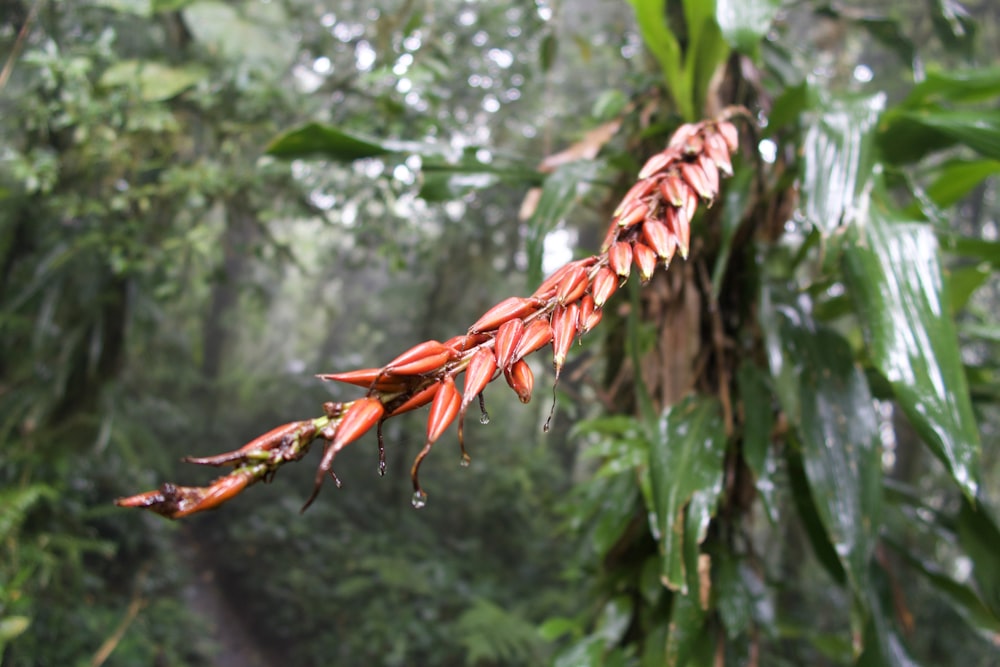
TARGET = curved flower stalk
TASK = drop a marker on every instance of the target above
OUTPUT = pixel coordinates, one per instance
(650, 226)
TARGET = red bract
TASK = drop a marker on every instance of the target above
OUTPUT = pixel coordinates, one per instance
(572, 286)
(536, 335)
(645, 260)
(419, 359)
(521, 380)
(508, 336)
(444, 409)
(359, 418)
(511, 308)
(620, 259)
(376, 378)
(605, 284)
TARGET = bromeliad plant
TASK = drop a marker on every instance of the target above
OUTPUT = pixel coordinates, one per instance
(650, 226)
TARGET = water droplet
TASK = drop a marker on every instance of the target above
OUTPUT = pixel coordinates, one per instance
(381, 467)
(418, 500)
(484, 418)
(466, 460)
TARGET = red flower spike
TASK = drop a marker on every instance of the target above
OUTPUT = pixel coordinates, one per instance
(682, 134)
(572, 286)
(718, 151)
(711, 173)
(536, 335)
(592, 319)
(521, 380)
(464, 343)
(550, 284)
(424, 358)
(444, 409)
(645, 260)
(661, 239)
(585, 317)
(620, 258)
(378, 378)
(514, 307)
(637, 191)
(219, 492)
(507, 339)
(654, 164)
(696, 178)
(563, 331)
(417, 400)
(729, 133)
(276, 438)
(605, 284)
(673, 189)
(611, 236)
(634, 214)
(478, 374)
(361, 416)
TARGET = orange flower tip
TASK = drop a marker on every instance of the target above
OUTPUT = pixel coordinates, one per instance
(147, 499)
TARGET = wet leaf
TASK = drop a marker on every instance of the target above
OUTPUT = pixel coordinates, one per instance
(687, 635)
(838, 158)
(979, 535)
(894, 277)
(827, 400)
(758, 421)
(686, 458)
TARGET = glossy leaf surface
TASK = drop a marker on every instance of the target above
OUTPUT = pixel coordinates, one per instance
(838, 156)
(894, 277)
(686, 458)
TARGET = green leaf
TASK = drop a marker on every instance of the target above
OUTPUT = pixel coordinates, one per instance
(961, 597)
(745, 22)
(827, 400)
(909, 135)
(651, 16)
(838, 159)
(687, 634)
(808, 512)
(894, 277)
(758, 422)
(560, 193)
(964, 281)
(549, 49)
(687, 458)
(957, 178)
(156, 81)
(318, 140)
(964, 85)
(979, 535)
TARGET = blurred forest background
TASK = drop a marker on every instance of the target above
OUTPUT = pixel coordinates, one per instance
(203, 203)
